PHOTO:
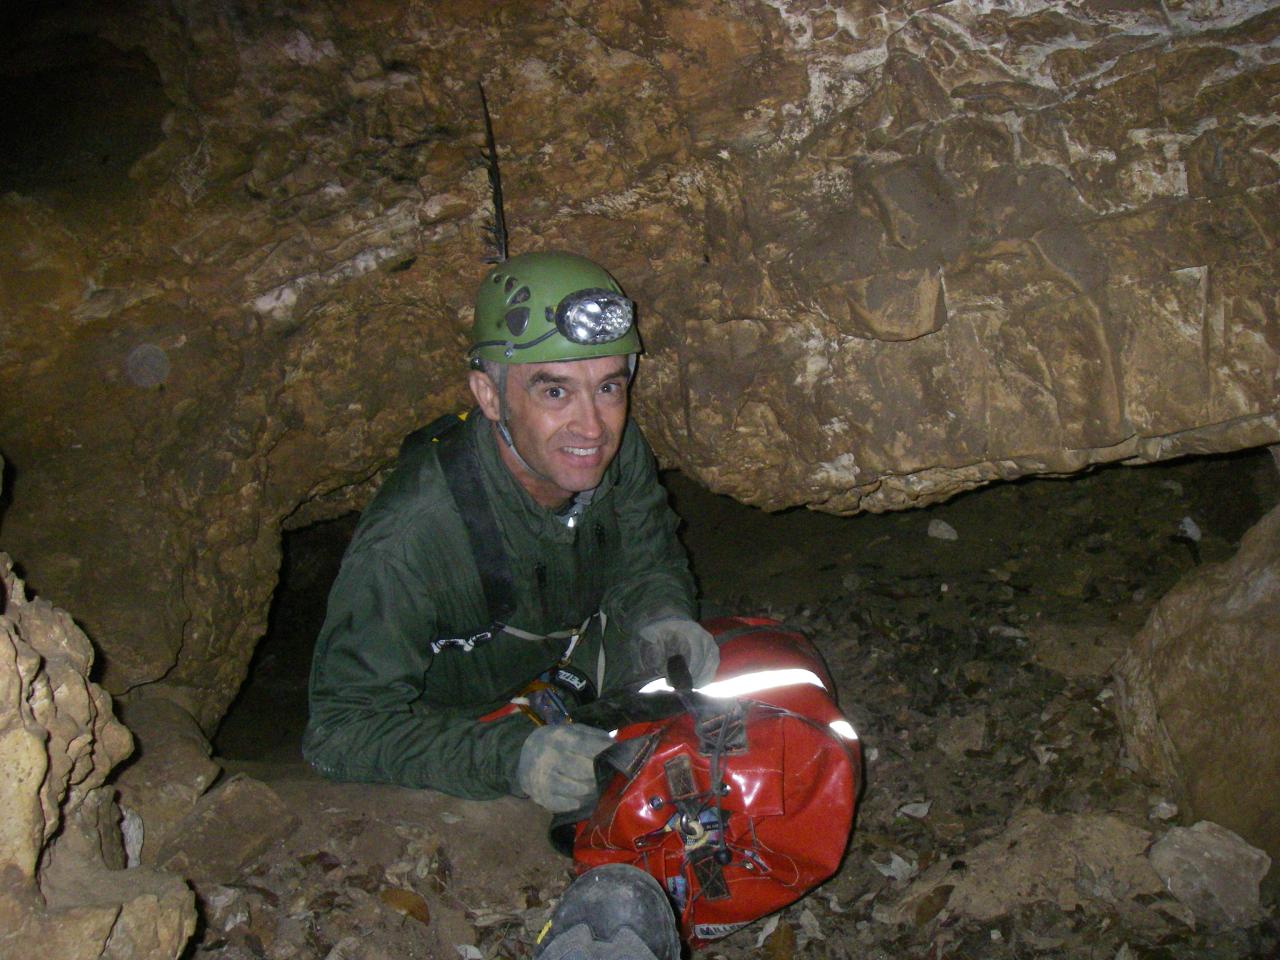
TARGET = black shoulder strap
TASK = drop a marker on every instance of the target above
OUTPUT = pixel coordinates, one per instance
(462, 473)
(439, 427)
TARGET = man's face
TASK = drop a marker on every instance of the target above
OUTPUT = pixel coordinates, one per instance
(566, 419)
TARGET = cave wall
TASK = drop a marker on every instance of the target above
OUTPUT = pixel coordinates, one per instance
(883, 252)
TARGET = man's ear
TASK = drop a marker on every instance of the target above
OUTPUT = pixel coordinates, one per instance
(486, 393)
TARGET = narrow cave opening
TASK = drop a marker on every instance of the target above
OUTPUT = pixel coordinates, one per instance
(266, 720)
(1064, 561)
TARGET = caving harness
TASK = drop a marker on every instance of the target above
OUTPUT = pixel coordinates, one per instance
(550, 696)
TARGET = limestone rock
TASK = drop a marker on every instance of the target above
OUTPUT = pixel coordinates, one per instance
(229, 826)
(882, 255)
(1213, 872)
(941, 530)
(62, 890)
(116, 914)
(1064, 858)
(1197, 690)
(60, 736)
(170, 771)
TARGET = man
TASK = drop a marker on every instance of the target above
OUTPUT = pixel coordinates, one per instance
(532, 541)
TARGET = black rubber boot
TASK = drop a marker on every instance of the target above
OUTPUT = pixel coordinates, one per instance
(614, 912)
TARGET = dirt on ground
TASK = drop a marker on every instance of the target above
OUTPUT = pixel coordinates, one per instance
(971, 644)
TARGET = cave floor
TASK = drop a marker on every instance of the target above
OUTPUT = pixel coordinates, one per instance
(975, 669)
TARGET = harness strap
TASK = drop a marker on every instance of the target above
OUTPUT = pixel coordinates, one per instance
(571, 634)
(462, 474)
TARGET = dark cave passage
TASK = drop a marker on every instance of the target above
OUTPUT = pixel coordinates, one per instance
(87, 111)
(1096, 549)
(266, 721)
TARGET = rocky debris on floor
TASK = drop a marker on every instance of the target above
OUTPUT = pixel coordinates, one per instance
(1077, 649)
(168, 773)
(379, 871)
(1213, 872)
(64, 892)
(958, 736)
(228, 827)
(941, 530)
(1065, 859)
(991, 700)
(1002, 817)
(1198, 690)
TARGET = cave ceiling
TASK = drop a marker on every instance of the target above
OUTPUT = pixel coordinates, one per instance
(883, 252)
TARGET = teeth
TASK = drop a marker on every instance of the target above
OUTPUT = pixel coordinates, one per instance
(582, 451)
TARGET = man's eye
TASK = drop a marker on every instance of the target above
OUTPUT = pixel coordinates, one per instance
(554, 393)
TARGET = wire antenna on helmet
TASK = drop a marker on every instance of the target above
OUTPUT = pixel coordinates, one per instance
(497, 230)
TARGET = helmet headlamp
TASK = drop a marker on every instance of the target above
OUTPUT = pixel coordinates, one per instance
(594, 316)
(551, 306)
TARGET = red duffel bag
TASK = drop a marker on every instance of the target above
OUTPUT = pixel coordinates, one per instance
(742, 801)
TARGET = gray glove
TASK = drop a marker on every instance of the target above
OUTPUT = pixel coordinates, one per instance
(663, 639)
(557, 765)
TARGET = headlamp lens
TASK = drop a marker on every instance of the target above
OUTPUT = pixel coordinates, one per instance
(594, 316)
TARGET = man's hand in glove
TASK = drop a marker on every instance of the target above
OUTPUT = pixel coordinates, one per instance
(663, 639)
(557, 765)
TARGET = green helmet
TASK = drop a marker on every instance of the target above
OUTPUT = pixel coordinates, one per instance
(547, 306)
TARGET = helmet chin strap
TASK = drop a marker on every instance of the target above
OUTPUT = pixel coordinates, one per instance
(506, 436)
(504, 431)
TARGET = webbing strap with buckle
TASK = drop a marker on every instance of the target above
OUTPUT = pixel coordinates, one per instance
(468, 643)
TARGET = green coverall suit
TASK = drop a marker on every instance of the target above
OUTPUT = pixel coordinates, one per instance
(384, 707)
